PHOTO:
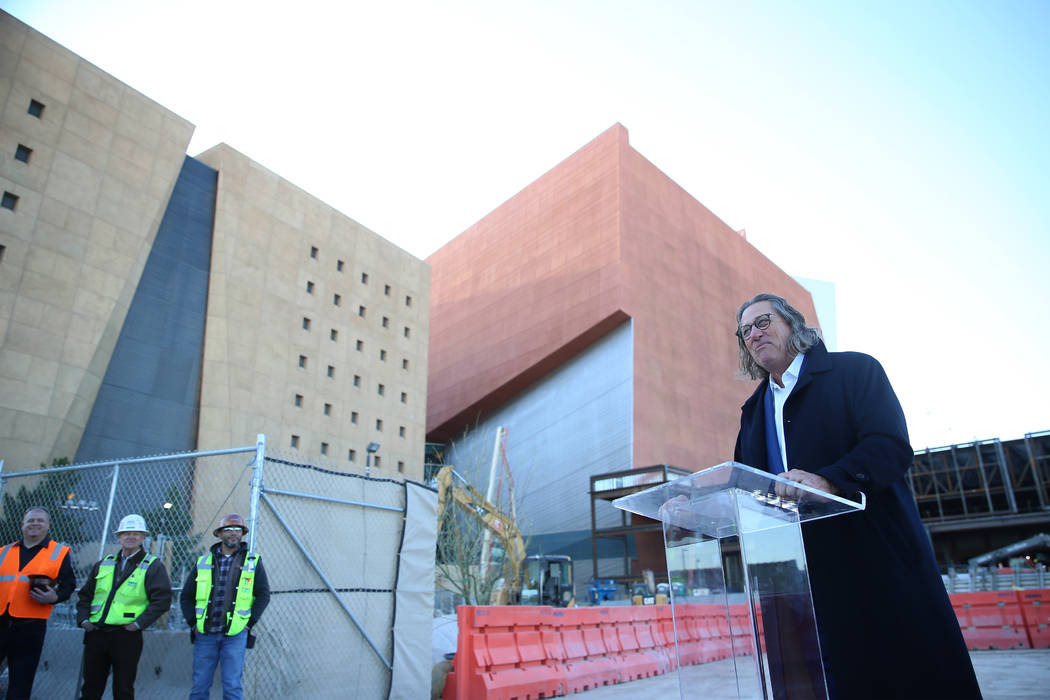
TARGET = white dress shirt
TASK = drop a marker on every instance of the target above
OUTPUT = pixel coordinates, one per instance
(780, 396)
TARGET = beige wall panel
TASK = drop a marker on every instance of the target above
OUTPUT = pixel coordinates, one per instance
(15, 365)
(19, 223)
(54, 87)
(93, 107)
(73, 182)
(40, 50)
(97, 86)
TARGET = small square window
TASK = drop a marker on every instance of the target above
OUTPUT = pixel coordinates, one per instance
(401, 431)
(401, 467)
(23, 153)
(364, 278)
(353, 417)
(334, 334)
(295, 441)
(36, 109)
(336, 299)
(360, 345)
(361, 311)
(313, 254)
(386, 289)
(386, 322)
(404, 397)
(306, 323)
(378, 462)
(357, 380)
(382, 390)
(298, 400)
(408, 332)
(309, 287)
(10, 201)
(331, 371)
(324, 448)
(382, 355)
(302, 361)
(328, 409)
(338, 265)
(404, 363)
(379, 424)
(351, 454)
(408, 301)
(3, 249)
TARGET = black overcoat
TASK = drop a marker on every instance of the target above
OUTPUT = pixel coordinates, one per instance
(887, 625)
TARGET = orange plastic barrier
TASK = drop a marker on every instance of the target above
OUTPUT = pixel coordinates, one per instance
(599, 666)
(991, 620)
(531, 652)
(1035, 608)
(500, 655)
(740, 629)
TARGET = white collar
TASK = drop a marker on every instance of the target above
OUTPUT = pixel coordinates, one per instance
(790, 375)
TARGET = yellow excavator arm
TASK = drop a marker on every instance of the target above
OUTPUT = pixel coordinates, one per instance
(500, 524)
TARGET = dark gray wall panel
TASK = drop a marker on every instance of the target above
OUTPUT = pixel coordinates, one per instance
(149, 399)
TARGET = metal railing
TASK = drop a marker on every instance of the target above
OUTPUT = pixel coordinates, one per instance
(987, 579)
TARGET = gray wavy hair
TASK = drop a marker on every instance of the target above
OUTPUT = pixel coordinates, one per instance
(802, 336)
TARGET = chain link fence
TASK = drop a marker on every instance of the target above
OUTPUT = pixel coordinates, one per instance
(334, 546)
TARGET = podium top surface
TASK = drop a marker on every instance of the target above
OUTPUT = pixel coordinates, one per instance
(733, 498)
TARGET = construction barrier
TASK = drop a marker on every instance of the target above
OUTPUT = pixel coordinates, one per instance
(1035, 608)
(531, 652)
(991, 620)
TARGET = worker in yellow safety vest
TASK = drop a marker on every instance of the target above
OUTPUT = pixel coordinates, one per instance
(35, 575)
(124, 594)
(221, 602)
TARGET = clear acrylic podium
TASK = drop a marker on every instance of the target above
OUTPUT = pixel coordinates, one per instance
(733, 540)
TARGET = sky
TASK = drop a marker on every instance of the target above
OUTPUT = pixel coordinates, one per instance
(896, 149)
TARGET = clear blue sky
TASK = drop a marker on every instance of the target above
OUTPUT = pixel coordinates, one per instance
(899, 150)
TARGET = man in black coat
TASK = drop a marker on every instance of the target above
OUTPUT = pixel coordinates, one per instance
(832, 421)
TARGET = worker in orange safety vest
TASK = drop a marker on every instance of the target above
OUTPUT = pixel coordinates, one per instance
(35, 574)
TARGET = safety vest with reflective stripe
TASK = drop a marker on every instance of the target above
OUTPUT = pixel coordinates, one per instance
(129, 601)
(237, 618)
(14, 584)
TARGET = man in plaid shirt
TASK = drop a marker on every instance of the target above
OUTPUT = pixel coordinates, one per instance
(221, 601)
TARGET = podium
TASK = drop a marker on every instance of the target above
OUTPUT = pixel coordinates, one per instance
(735, 557)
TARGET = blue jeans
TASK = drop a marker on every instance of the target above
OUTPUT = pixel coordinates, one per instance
(212, 649)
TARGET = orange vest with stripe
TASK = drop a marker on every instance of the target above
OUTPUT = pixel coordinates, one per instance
(14, 583)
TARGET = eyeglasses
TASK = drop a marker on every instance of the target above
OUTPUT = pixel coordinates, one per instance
(232, 529)
(761, 322)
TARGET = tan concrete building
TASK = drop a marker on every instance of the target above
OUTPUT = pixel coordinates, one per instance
(87, 167)
(316, 327)
(151, 302)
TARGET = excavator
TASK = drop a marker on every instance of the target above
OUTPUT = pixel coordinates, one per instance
(548, 579)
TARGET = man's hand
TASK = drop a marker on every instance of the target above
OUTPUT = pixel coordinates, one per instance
(810, 479)
(44, 594)
(132, 627)
(88, 626)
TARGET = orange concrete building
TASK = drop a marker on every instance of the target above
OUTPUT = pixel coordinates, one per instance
(603, 244)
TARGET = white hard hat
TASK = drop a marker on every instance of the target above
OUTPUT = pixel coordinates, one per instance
(132, 523)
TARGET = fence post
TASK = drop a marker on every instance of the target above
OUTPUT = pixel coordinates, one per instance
(109, 510)
(256, 488)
